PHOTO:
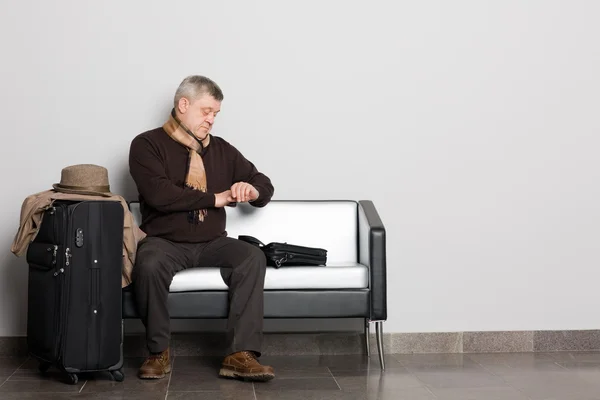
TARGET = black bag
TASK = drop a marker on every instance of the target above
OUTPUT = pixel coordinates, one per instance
(283, 254)
(74, 313)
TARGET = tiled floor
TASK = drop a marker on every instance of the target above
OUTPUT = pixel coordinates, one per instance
(516, 376)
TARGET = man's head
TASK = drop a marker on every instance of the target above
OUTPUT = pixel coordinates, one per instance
(197, 103)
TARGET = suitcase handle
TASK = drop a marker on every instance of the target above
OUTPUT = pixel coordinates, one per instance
(251, 240)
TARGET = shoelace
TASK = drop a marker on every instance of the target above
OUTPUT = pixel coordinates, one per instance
(159, 357)
(249, 356)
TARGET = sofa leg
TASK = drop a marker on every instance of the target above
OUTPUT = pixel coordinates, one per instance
(367, 336)
(379, 330)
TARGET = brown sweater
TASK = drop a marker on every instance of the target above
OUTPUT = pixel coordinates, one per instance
(158, 165)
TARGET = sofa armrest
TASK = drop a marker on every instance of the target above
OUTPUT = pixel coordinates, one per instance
(372, 252)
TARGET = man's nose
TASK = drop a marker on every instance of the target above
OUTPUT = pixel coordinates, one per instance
(210, 118)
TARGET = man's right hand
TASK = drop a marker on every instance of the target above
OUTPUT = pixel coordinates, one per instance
(223, 198)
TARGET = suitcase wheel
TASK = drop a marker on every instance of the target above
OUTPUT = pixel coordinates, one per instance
(44, 366)
(118, 375)
(72, 379)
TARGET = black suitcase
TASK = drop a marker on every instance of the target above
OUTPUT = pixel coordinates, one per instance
(74, 317)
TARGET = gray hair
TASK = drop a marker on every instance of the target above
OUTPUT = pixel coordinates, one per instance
(195, 86)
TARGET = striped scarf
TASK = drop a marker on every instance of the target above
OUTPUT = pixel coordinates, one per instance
(196, 175)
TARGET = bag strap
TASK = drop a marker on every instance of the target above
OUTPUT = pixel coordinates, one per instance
(251, 240)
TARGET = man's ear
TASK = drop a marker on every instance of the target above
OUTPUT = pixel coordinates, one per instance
(183, 105)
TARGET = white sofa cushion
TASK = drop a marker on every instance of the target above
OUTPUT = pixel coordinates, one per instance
(349, 276)
(332, 225)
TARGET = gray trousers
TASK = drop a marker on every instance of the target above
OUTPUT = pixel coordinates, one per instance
(243, 268)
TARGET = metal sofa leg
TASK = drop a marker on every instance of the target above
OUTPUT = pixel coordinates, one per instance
(367, 336)
(379, 330)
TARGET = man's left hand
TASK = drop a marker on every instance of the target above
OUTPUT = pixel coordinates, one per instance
(243, 191)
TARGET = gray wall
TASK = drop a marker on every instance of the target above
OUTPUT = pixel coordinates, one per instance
(472, 125)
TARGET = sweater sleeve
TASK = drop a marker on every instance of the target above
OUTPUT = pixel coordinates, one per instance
(245, 171)
(147, 169)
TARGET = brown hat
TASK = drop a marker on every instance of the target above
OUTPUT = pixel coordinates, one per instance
(86, 179)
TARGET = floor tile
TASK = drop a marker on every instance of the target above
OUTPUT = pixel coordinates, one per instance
(511, 358)
(545, 385)
(357, 361)
(506, 369)
(103, 382)
(198, 363)
(322, 384)
(400, 394)
(308, 395)
(186, 380)
(385, 382)
(39, 386)
(342, 373)
(484, 393)
(516, 363)
(460, 379)
(589, 376)
(210, 396)
(502, 370)
(38, 396)
(561, 393)
(30, 363)
(307, 373)
(403, 394)
(8, 365)
(579, 365)
(583, 356)
(119, 395)
(437, 362)
(35, 374)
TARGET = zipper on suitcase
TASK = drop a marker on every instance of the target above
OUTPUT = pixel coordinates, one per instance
(53, 213)
(54, 250)
(60, 298)
(64, 286)
(58, 319)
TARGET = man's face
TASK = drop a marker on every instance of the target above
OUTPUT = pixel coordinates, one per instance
(199, 115)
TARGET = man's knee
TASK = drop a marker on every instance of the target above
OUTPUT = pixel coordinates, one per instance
(259, 255)
(256, 255)
(250, 258)
(150, 264)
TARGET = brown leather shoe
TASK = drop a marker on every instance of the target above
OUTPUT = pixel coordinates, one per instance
(244, 365)
(156, 366)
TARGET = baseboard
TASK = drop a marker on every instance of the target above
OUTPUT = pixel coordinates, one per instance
(213, 344)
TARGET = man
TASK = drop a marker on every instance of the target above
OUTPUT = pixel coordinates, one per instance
(185, 177)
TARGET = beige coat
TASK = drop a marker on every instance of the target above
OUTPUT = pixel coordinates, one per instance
(32, 212)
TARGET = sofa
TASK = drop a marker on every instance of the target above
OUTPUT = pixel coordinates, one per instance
(352, 284)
